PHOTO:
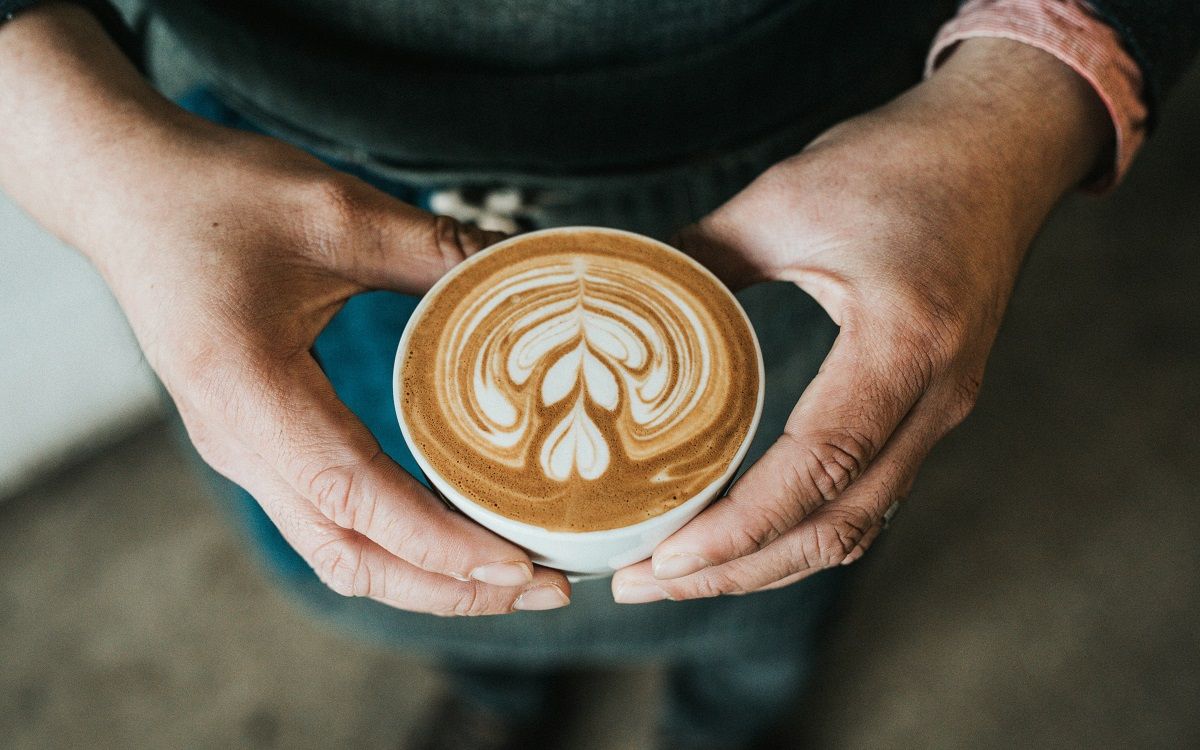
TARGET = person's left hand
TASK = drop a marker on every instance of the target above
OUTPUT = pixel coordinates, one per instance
(908, 225)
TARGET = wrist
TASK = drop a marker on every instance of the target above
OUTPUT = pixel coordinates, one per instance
(962, 169)
(1028, 126)
(80, 124)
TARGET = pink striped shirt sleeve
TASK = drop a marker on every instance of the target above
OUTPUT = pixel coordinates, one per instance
(1069, 30)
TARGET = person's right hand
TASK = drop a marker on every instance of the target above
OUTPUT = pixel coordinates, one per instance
(229, 267)
(229, 252)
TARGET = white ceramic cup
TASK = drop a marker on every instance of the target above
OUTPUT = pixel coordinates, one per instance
(582, 553)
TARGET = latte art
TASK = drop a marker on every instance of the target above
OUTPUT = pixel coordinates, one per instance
(580, 384)
(588, 333)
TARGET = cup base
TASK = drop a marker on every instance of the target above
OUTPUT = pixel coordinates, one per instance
(577, 577)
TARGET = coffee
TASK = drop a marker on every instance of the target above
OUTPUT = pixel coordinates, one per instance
(581, 380)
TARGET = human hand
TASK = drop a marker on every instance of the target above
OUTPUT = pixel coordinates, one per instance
(229, 253)
(238, 282)
(908, 225)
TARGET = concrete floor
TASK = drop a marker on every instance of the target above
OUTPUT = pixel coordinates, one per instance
(1041, 589)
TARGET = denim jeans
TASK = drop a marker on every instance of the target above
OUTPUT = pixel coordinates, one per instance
(734, 662)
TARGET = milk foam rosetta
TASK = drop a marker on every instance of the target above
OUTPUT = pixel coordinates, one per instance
(580, 381)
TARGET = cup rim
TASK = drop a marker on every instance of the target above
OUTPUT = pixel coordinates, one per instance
(444, 487)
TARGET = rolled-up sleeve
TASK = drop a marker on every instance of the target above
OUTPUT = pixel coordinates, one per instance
(1073, 32)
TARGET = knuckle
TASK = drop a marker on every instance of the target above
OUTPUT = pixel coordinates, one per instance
(715, 582)
(403, 538)
(828, 543)
(847, 529)
(410, 545)
(340, 566)
(768, 524)
(470, 602)
(830, 464)
(341, 493)
(333, 491)
(452, 240)
(963, 399)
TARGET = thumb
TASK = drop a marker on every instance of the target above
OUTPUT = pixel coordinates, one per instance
(380, 242)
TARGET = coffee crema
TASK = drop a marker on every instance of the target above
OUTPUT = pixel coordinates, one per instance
(580, 381)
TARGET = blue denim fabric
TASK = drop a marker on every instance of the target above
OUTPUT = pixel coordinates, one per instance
(735, 660)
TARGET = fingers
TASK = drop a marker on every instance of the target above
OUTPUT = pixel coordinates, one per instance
(290, 417)
(833, 534)
(352, 565)
(382, 243)
(419, 247)
(863, 545)
(845, 416)
(783, 582)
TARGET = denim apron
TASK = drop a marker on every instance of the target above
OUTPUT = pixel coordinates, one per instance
(357, 349)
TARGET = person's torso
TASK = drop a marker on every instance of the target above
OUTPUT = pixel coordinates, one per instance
(531, 34)
(560, 86)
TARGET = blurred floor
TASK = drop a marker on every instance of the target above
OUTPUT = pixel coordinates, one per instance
(1041, 588)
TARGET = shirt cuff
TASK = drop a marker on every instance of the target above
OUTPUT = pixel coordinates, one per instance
(1069, 30)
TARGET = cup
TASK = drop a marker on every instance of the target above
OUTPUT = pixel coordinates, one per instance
(583, 553)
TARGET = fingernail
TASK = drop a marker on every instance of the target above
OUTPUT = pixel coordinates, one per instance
(503, 574)
(546, 596)
(639, 593)
(678, 565)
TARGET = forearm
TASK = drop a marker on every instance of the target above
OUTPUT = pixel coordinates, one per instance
(80, 124)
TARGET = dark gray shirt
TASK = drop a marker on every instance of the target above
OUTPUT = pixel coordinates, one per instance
(571, 86)
(549, 86)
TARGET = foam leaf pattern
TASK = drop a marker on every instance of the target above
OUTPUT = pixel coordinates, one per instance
(574, 445)
(617, 346)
